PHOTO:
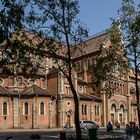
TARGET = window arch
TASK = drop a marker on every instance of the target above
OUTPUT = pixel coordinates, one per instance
(78, 66)
(5, 109)
(97, 110)
(42, 109)
(113, 107)
(121, 108)
(88, 63)
(84, 109)
(26, 109)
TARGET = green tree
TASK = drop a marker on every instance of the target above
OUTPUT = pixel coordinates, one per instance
(109, 63)
(130, 33)
(130, 29)
(57, 21)
(15, 53)
(10, 21)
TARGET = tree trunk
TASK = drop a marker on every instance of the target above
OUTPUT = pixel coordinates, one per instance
(76, 115)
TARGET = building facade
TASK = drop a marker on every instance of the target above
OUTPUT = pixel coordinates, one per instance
(45, 100)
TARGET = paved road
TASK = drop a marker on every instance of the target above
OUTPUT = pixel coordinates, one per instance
(54, 134)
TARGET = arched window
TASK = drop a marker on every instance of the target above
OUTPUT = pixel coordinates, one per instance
(42, 108)
(84, 109)
(5, 109)
(97, 110)
(82, 65)
(113, 108)
(121, 108)
(67, 90)
(78, 67)
(26, 109)
(121, 88)
(88, 64)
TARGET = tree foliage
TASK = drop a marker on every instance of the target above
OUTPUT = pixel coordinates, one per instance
(130, 31)
(109, 63)
(58, 20)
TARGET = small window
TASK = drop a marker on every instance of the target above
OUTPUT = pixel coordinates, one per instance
(5, 109)
(78, 67)
(88, 64)
(97, 110)
(26, 109)
(42, 108)
(68, 103)
(67, 90)
(84, 109)
(81, 88)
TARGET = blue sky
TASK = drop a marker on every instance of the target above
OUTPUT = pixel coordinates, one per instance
(95, 14)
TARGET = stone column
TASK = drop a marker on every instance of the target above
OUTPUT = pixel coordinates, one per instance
(61, 113)
(16, 111)
(50, 114)
(33, 115)
(117, 114)
(104, 113)
(125, 116)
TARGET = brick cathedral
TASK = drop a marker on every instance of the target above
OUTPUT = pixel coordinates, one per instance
(44, 99)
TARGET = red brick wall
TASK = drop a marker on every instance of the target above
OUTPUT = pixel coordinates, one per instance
(8, 122)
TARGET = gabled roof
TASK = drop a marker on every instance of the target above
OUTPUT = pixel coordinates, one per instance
(35, 90)
(4, 91)
(89, 97)
(82, 81)
(90, 45)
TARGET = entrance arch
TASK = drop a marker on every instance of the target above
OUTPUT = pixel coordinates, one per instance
(122, 114)
(68, 113)
(113, 113)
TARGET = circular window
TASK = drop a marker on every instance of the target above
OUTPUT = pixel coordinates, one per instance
(68, 103)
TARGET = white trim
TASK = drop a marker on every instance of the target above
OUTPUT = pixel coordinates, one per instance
(44, 109)
(7, 108)
(24, 109)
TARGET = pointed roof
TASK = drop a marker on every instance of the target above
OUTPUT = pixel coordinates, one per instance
(4, 91)
(89, 97)
(35, 90)
(91, 45)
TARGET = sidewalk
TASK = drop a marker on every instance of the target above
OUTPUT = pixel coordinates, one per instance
(30, 130)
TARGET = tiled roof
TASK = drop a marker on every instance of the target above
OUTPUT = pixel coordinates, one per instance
(89, 97)
(4, 91)
(35, 90)
(80, 80)
(89, 46)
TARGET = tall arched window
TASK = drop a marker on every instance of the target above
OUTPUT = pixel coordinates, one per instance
(5, 109)
(113, 108)
(42, 108)
(97, 110)
(84, 109)
(121, 108)
(88, 64)
(78, 67)
(26, 109)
